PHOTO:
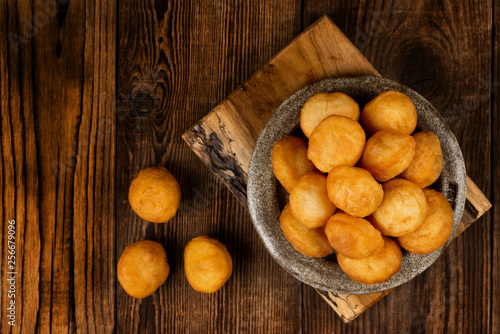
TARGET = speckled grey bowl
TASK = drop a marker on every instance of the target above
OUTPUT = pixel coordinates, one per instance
(266, 196)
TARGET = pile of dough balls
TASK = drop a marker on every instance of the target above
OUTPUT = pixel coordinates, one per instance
(155, 195)
(359, 184)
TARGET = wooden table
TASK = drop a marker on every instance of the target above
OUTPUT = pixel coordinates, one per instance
(93, 91)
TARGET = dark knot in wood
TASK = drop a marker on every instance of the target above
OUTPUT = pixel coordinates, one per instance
(142, 103)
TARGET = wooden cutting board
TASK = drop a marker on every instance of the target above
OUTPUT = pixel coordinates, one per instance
(224, 139)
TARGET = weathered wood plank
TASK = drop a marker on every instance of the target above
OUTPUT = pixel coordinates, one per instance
(220, 122)
(175, 63)
(94, 179)
(495, 179)
(442, 51)
(224, 139)
(57, 93)
(19, 178)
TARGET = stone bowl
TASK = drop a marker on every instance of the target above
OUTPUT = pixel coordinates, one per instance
(266, 196)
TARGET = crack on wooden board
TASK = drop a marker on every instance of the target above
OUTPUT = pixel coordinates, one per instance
(222, 128)
(346, 300)
(325, 294)
(212, 152)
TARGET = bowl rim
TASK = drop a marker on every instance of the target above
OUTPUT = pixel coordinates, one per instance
(262, 187)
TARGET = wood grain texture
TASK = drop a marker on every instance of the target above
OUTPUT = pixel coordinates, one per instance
(94, 176)
(224, 139)
(57, 93)
(442, 51)
(225, 121)
(476, 206)
(349, 307)
(62, 182)
(175, 62)
(19, 181)
(495, 176)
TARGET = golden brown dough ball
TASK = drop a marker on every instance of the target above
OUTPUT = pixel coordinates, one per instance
(142, 268)
(207, 264)
(309, 201)
(310, 242)
(354, 190)
(436, 228)
(353, 237)
(387, 154)
(155, 195)
(290, 162)
(322, 105)
(390, 110)
(336, 141)
(427, 163)
(374, 269)
(402, 210)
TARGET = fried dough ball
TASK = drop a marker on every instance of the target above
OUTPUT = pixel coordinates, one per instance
(436, 228)
(142, 268)
(336, 141)
(354, 190)
(322, 105)
(309, 200)
(207, 264)
(353, 237)
(290, 162)
(427, 163)
(387, 154)
(155, 195)
(310, 242)
(402, 210)
(390, 110)
(374, 269)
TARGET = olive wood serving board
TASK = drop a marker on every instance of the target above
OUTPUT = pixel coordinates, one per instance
(224, 139)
